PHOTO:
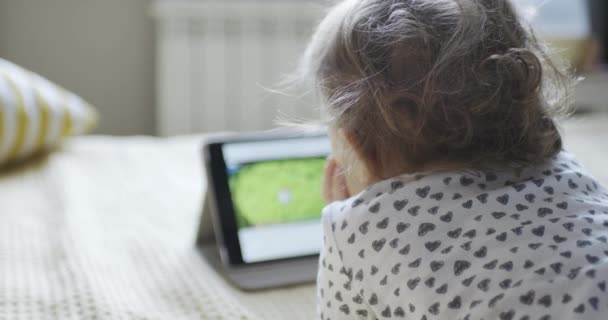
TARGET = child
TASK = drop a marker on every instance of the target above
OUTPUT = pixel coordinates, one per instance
(451, 197)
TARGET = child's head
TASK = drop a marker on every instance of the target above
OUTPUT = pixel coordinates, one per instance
(416, 83)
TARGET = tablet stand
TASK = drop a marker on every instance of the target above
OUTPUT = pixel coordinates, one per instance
(255, 276)
(205, 238)
(205, 230)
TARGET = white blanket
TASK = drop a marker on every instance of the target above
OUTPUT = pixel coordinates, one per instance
(104, 229)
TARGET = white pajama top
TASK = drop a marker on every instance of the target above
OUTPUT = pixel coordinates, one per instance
(527, 243)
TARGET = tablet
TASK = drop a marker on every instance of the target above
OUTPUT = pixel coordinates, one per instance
(265, 196)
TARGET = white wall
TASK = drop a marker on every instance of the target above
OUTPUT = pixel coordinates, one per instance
(101, 49)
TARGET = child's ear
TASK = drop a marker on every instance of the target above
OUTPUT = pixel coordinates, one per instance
(365, 152)
(351, 139)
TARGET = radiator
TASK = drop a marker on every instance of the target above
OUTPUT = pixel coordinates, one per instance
(219, 63)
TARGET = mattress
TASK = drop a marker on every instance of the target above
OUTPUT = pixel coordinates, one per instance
(104, 229)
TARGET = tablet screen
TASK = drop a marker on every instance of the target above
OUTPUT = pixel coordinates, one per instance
(275, 187)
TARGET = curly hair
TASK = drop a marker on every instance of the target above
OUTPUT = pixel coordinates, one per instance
(423, 82)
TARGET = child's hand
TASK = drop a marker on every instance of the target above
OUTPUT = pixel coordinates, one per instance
(334, 184)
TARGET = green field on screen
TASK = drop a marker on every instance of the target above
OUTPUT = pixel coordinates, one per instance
(278, 191)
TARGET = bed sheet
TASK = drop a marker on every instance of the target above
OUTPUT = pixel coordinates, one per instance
(104, 229)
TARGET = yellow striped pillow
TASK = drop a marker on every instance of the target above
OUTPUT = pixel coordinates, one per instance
(36, 114)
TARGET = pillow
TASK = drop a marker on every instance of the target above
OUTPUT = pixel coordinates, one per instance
(35, 114)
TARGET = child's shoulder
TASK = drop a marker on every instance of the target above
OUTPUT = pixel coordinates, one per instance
(409, 193)
(386, 208)
(448, 200)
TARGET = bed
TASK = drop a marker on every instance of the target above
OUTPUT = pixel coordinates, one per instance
(104, 229)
